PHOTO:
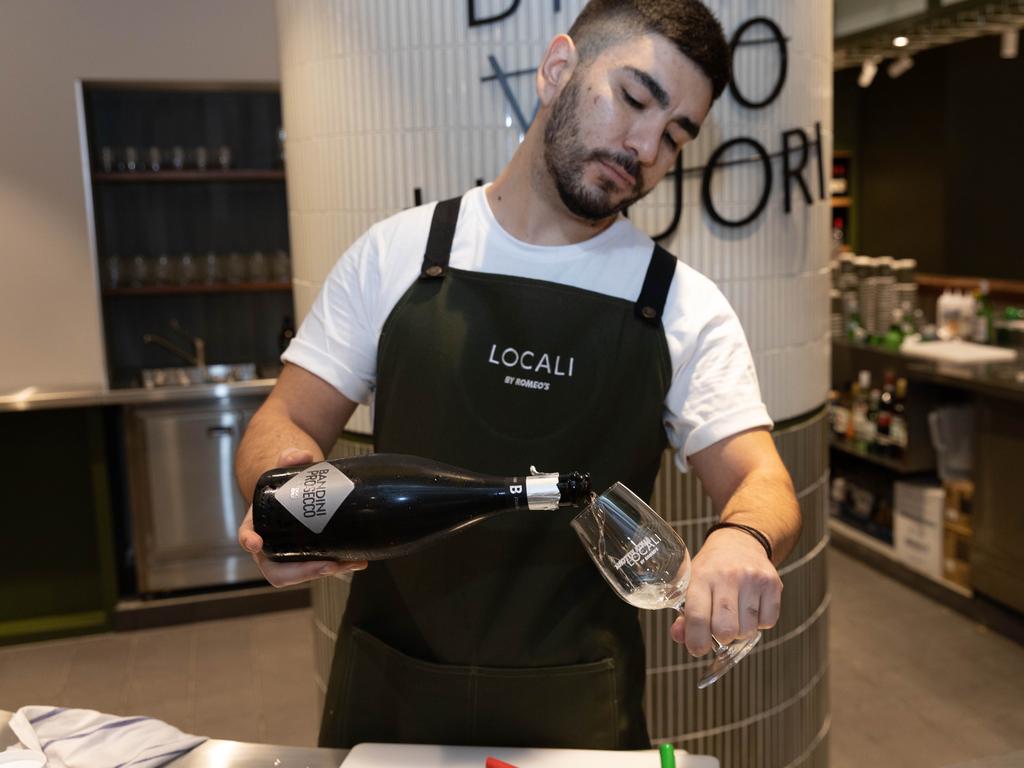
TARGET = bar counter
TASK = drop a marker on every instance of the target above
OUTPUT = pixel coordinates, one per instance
(33, 399)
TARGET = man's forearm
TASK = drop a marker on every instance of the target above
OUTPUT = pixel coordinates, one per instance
(270, 431)
(765, 500)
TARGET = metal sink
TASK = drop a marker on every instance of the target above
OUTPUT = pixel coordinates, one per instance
(189, 376)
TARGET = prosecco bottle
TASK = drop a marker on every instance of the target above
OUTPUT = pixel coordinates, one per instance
(388, 505)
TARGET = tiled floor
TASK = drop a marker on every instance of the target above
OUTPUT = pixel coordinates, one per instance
(913, 684)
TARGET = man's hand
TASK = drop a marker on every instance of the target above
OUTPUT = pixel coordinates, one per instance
(285, 574)
(734, 591)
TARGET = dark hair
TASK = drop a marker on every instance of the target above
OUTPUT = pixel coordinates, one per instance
(686, 23)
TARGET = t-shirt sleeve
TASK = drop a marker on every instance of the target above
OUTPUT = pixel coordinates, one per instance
(714, 392)
(337, 340)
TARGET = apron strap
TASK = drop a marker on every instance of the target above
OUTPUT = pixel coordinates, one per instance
(651, 303)
(439, 241)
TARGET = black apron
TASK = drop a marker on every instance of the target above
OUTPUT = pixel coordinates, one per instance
(506, 634)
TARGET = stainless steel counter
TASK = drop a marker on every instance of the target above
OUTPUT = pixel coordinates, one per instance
(221, 753)
(32, 399)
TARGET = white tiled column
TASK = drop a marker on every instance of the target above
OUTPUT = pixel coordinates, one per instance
(385, 97)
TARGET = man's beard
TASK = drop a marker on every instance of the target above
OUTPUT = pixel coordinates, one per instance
(566, 160)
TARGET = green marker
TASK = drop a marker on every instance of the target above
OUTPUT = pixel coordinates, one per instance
(668, 756)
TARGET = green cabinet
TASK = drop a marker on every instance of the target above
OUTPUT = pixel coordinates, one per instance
(58, 566)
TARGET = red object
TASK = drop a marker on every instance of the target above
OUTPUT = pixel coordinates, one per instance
(493, 762)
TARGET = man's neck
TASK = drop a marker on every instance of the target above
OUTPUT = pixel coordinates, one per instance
(526, 203)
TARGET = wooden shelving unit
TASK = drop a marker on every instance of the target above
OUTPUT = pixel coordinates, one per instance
(161, 290)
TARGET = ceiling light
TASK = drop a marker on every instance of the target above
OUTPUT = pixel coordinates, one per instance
(900, 65)
(868, 70)
(900, 41)
(1009, 44)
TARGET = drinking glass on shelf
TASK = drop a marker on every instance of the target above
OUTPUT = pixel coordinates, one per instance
(235, 268)
(281, 266)
(153, 158)
(212, 268)
(131, 159)
(224, 157)
(163, 272)
(108, 159)
(646, 562)
(112, 274)
(178, 157)
(259, 269)
(188, 270)
(141, 274)
(202, 158)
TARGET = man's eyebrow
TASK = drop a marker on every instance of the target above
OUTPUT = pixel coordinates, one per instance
(688, 125)
(650, 84)
(659, 94)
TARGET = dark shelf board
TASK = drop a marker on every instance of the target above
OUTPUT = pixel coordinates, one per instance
(159, 177)
(893, 465)
(159, 290)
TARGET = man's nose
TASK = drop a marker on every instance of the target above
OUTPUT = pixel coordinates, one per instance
(643, 143)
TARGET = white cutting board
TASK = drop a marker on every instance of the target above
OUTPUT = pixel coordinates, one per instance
(433, 756)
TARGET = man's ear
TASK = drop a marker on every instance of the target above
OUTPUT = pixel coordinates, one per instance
(556, 68)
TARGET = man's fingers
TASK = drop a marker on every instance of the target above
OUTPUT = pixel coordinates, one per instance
(769, 608)
(286, 574)
(749, 610)
(697, 615)
(725, 620)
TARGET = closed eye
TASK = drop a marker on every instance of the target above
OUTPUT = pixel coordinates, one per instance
(630, 100)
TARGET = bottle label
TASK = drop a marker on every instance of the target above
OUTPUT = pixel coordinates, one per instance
(315, 494)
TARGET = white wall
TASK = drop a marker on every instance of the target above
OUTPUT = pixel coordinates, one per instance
(51, 333)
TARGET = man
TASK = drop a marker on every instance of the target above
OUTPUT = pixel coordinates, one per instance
(531, 323)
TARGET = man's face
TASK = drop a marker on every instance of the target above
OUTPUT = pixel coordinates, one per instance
(617, 126)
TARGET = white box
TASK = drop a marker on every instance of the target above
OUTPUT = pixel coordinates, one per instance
(917, 530)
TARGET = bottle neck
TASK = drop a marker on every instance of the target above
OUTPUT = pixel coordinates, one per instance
(551, 491)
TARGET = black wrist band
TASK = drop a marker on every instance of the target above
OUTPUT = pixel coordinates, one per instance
(761, 538)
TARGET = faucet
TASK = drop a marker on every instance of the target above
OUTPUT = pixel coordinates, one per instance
(198, 355)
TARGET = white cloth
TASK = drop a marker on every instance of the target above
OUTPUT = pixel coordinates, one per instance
(84, 738)
(714, 391)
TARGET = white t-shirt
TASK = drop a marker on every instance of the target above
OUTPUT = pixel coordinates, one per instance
(714, 391)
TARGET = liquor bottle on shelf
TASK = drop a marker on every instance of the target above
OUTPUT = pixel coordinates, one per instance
(388, 505)
(860, 424)
(883, 437)
(982, 315)
(898, 427)
(871, 427)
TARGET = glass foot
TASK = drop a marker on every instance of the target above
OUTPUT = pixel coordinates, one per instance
(726, 657)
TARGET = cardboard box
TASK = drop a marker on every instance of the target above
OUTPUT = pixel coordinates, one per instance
(959, 501)
(918, 531)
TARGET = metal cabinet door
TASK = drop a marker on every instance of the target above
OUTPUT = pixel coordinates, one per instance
(194, 508)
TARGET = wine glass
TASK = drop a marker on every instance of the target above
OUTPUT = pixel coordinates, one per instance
(646, 562)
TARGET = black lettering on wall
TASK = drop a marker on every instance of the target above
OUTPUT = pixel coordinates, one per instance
(779, 39)
(709, 172)
(476, 21)
(788, 173)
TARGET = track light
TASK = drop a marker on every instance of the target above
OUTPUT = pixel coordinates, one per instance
(1009, 44)
(868, 70)
(900, 65)
(900, 41)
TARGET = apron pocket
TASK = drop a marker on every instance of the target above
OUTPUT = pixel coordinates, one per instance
(391, 697)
